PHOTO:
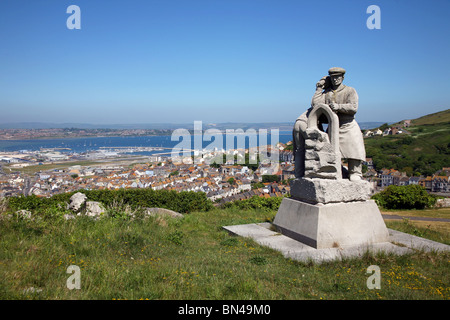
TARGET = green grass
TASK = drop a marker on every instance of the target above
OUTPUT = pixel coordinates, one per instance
(428, 212)
(434, 118)
(433, 230)
(192, 258)
(424, 231)
(66, 164)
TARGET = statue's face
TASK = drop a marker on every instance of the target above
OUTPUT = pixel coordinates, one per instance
(336, 80)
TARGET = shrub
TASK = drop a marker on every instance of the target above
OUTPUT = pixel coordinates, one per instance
(404, 197)
(183, 202)
(270, 178)
(176, 237)
(256, 202)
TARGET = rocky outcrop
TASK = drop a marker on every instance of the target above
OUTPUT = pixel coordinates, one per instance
(94, 209)
(77, 201)
(162, 212)
(79, 205)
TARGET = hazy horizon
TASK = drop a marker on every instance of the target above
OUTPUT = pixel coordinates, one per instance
(51, 125)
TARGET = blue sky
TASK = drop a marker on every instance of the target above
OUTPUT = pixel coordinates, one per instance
(148, 61)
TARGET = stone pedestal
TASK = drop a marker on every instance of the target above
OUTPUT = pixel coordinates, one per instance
(329, 191)
(331, 225)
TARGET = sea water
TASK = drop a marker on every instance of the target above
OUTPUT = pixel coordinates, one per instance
(89, 144)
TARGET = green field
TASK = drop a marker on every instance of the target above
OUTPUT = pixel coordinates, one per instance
(193, 258)
(49, 166)
(67, 164)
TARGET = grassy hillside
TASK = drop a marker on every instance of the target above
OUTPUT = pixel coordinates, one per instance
(192, 258)
(434, 118)
(424, 151)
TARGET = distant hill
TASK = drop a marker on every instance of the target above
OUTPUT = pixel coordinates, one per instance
(429, 119)
(434, 118)
(425, 150)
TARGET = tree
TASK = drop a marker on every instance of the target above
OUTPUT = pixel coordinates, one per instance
(215, 165)
(364, 168)
(257, 185)
(270, 178)
(384, 127)
(174, 173)
(408, 170)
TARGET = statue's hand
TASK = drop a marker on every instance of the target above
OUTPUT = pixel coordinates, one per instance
(334, 106)
(314, 134)
(320, 85)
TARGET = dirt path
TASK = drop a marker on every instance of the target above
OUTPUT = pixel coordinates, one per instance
(394, 216)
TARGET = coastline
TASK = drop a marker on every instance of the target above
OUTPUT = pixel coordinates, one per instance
(125, 135)
(79, 137)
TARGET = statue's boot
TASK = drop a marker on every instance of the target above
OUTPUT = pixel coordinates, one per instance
(355, 169)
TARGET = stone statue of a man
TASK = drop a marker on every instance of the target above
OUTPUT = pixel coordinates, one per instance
(343, 100)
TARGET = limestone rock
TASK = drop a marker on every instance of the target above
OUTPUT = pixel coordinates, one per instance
(163, 212)
(77, 201)
(23, 214)
(94, 209)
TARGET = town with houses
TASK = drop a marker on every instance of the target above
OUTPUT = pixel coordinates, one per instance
(389, 130)
(225, 182)
(221, 183)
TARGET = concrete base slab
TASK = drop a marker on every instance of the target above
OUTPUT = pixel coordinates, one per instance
(399, 243)
(331, 225)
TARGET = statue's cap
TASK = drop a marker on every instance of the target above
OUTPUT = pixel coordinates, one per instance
(336, 70)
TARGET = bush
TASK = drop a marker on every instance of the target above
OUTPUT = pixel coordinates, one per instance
(404, 197)
(270, 178)
(255, 202)
(183, 202)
